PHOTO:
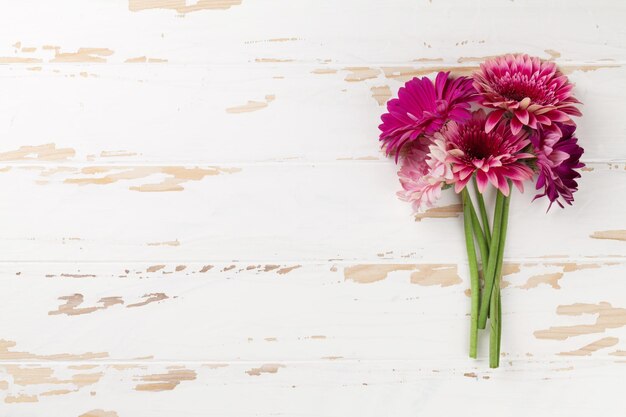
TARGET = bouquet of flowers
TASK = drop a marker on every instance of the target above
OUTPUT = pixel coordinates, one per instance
(508, 123)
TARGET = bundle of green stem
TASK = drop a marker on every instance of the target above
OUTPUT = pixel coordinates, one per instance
(486, 300)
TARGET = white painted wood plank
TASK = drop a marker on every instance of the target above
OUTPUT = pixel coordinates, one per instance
(276, 212)
(321, 390)
(216, 114)
(350, 32)
(196, 217)
(553, 310)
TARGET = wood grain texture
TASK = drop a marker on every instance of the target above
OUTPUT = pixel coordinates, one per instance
(197, 218)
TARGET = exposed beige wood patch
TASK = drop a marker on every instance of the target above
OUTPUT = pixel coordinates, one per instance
(18, 60)
(549, 279)
(568, 69)
(453, 210)
(287, 269)
(608, 317)
(82, 55)
(381, 94)
(553, 54)
(509, 268)
(155, 268)
(572, 266)
(592, 347)
(270, 267)
(273, 60)
(21, 398)
(403, 73)
(144, 60)
(181, 6)
(56, 392)
(428, 60)
(324, 71)
(368, 273)
(268, 368)
(610, 234)
(149, 298)
(72, 303)
(251, 105)
(166, 243)
(70, 307)
(477, 59)
(275, 40)
(116, 154)
(361, 73)
(7, 355)
(442, 275)
(215, 365)
(47, 152)
(165, 382)
(99, 413)
(38, 375)
(175, 176)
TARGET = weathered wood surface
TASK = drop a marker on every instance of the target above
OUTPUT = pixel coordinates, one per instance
(196, 218)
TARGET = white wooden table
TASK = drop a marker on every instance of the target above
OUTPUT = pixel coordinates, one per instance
(196, 218)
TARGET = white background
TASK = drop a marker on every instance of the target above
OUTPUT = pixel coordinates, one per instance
(196, 218)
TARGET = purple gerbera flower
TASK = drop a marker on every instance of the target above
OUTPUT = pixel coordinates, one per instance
(422, 108)
(558, 158)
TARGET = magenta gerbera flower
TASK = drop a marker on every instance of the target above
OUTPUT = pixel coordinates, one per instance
(422, 108)
(558, 158)
(529, 91)
(495, 156)
(424, 172)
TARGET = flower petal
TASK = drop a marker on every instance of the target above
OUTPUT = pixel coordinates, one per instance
(493, 119)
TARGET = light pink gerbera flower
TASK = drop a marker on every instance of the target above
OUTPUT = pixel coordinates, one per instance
(494, 156)
(530, 91)
(423, 174)
(422, 108)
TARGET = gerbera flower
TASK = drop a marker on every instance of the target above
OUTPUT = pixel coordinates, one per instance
(422, 108)
(558, 158)
(495, 156)
(530, 91)
(423, 173)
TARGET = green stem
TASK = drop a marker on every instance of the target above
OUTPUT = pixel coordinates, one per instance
(478, 232)
(483, 213)
(495, 336)
(491, 264)
(473, 265)
(494, 356)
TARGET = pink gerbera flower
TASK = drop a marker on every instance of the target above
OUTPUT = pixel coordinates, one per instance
(529, 91)
(422, 108)
(495, 156)
(558, 158)
(423, 173)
